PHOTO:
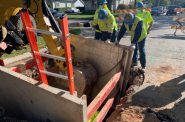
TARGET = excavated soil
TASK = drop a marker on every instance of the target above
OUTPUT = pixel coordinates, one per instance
(155, 101)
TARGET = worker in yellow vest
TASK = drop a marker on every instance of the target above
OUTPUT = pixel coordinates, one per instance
(136, 29)
(102, 5)
(107, 25)
(145, 15)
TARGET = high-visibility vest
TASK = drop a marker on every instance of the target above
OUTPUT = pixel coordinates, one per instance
(132, 31)
(95, 19)
(146, 17)
(108, 24)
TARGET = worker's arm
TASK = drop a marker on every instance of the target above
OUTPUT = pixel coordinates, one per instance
(121, 32)
(95, 18)
(149, 21)
(137, 32)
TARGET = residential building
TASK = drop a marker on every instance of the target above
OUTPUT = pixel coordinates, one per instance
(117, 2)
(67, 3)
(92, 4)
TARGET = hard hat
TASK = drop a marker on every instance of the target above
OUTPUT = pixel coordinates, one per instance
(102, 14)
(140, 5)
(104, 1)
(129, 18)
(3, 33)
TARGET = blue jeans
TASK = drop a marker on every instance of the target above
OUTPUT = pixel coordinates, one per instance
(98, 35)
(142, 58)
(108, 35)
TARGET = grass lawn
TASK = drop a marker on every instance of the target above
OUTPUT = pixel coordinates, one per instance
(41, 44)
(84, 16)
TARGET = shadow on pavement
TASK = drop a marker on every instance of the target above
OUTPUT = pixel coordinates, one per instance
(160, 96)
(177, 112)
(171, 36)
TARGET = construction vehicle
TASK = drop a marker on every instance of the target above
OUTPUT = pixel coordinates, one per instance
(101, 70)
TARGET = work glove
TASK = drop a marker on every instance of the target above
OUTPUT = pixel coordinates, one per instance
(133, 45)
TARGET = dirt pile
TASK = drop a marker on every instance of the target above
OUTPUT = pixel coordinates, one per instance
(138, 114)
(142, 103)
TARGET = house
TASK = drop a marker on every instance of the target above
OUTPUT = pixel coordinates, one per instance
(92, 4)
(117, 2)
(79, 3)
(67, 3)
(89, 5)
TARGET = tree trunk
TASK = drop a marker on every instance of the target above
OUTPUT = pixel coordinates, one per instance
(109, 4)
(135, 3)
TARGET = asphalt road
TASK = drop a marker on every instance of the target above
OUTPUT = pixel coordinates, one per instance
(164, 87)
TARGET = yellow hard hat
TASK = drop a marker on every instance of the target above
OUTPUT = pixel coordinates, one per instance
(3, 33)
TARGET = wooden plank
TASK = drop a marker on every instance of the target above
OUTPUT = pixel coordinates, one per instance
(104, 110)
(99, 99)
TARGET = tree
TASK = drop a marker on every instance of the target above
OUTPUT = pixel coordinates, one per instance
(135, 3)
(178, 2)
(164, 2)
(109, 4)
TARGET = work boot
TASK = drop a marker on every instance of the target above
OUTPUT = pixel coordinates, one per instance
(144, 68)
(134, 64)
